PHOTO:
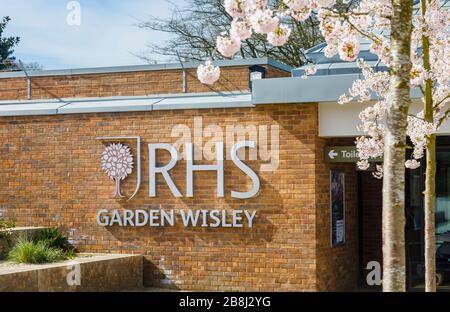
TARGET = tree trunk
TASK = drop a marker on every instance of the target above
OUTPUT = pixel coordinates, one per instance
(430, 174)
(117, 193)
(430, 236)
(394, 150)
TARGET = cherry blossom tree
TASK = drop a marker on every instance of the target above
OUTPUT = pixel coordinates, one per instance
(415, 49)
(430, 67)
(117, 162)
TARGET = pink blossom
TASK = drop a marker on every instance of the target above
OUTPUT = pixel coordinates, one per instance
(331, 50)
(418, 131)
(361, 90)
(412, 164)
(386, 55)
(207, 73)
(280, 36)
(228, 46)
(330, 29)
(346, 31)
(343, 99)
(376, 47)
(363, 164)
(296, 5)
(310, 70)
(236, 8)
(302, 14)
(435, 19)
(362, 22)
(263, 22)
(255, 5)
(325, 3)
(349, 49)
(417, 75)
(369, 147)
(381, 23)
(382, 50)
(240, 30)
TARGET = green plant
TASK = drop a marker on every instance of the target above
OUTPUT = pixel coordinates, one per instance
(70, 254)
(34, 252)
(4, 224)
(53, 238)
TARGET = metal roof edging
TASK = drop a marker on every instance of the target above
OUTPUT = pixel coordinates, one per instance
(56, 108)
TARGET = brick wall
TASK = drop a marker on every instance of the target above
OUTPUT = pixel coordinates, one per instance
(233, 78)
(51, 176)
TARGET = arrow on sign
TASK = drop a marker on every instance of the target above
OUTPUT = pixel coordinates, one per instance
(332, 154)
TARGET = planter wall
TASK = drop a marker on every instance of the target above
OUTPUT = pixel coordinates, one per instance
(96, 273)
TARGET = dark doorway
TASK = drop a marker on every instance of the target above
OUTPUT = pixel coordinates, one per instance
(370, 240)
(370, 217)
(415, 184)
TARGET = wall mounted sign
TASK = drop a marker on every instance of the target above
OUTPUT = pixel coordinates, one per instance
(337, 207)
(118, 163)
(343, 154)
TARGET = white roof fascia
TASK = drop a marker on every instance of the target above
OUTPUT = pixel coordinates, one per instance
(108, 106)
(243, 100)
(29, 109)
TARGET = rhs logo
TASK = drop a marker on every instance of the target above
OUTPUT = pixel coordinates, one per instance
(117, 162)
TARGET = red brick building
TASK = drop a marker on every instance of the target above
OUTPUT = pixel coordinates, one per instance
(54, 126)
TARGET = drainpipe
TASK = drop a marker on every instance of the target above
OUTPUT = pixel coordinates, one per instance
(28, 88)
(22, 68)
(184, 73)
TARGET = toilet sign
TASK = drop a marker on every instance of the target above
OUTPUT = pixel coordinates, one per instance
(343, 154)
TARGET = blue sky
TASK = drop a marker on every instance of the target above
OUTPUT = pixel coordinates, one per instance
(106, 36)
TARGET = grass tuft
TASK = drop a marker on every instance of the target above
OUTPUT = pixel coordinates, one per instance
(35, 252)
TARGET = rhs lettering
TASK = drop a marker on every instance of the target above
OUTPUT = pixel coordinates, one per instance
(192, 168)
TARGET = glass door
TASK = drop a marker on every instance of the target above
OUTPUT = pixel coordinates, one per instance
(415, 185)
(443, 217)
(414, 213)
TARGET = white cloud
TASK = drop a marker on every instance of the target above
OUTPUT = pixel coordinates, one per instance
(106, 36)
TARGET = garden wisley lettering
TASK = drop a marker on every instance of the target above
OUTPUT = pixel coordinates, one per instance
(189, 218)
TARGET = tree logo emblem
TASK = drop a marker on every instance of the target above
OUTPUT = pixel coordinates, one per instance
(117, 162)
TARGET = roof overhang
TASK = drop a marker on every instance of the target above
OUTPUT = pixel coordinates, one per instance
(313, 89)
(124, 104)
